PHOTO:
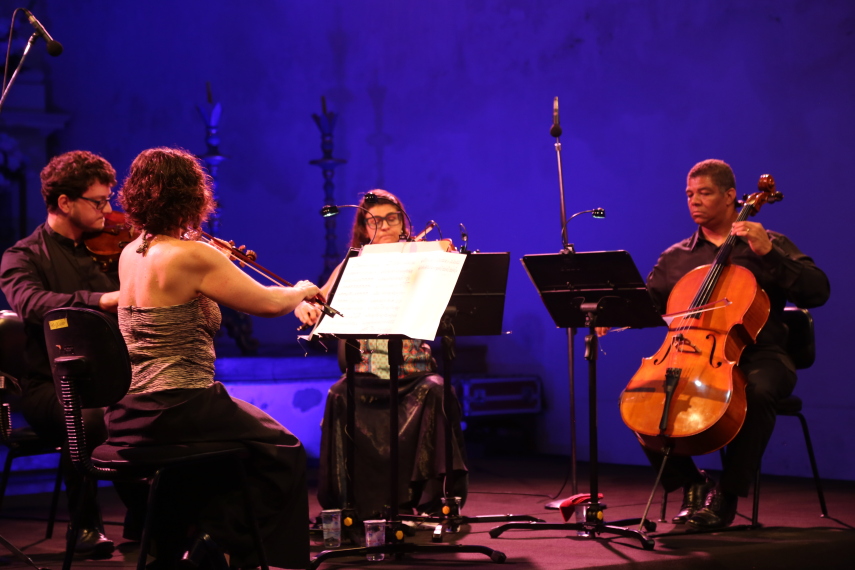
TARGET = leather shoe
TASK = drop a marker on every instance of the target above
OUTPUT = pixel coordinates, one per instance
(204, 554)
(91, 543)
(718, 512)
(694, 497)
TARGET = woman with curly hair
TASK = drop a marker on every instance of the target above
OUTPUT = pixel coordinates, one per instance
(168, 315)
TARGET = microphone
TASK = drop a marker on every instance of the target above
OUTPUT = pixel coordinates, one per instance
(430, 225)
(464, 237)
(555, 131)
(54, 48)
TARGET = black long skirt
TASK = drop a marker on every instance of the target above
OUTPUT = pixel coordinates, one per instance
(421, 446)
(276, 471)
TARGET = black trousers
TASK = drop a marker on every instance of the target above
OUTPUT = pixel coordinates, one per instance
(769, 378)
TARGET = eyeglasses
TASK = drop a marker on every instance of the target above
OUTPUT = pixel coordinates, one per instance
(392, 219)
(99, 204)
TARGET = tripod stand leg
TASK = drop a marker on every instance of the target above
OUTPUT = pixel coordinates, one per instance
(18, 554)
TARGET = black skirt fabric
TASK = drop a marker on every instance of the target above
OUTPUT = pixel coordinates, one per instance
(276, 471)
(421, 447)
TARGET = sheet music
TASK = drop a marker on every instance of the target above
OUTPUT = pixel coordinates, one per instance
(394, 293)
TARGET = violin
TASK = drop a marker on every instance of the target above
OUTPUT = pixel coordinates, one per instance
(689, 397)
(246, 258)
(106, 246)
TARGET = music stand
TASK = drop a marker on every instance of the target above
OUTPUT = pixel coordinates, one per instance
(476, 308)
(592, 289)
(395, 544)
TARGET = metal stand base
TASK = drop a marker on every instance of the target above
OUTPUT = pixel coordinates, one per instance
(594, 524)
(591, 530)
(399, 549)
(21, 556)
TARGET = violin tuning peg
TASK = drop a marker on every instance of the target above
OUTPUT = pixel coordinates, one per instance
(251, 255)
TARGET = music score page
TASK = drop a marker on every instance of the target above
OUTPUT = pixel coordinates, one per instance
(394, 293)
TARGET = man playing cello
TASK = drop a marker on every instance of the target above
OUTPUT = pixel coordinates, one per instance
(786, 275)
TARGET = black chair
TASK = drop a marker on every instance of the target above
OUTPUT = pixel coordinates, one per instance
(91, 369)
(801, 346)
(19, 441)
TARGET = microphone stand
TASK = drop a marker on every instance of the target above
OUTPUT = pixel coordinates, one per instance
(555, 131)
(8, 87)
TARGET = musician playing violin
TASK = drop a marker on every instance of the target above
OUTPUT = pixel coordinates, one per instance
(49, 269)
(168, 316)
(787, 275)
(381, 218)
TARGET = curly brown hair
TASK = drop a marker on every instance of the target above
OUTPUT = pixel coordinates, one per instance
(166, 189)
(359, 235)
(72, 173)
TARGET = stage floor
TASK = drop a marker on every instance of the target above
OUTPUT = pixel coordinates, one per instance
(793, 534)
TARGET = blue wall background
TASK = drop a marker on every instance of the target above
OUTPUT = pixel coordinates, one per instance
(448, 103)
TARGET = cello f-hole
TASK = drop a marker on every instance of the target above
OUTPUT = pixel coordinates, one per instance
(664, 356)
(712, 351)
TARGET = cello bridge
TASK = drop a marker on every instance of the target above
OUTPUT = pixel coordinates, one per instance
(682, 344)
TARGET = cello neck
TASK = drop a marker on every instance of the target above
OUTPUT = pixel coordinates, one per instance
(721, 260)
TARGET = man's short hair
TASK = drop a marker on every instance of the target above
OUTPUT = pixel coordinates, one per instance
(719, 172)
(72, 173)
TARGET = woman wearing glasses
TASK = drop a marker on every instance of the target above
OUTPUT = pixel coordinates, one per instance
(168, 315)
(382, 219)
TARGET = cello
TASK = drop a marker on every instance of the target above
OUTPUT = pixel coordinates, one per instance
(689, 397)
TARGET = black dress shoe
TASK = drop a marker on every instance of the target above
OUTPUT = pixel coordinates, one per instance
(91, 543)
(204, 554)
(694, 497)
(718, 512)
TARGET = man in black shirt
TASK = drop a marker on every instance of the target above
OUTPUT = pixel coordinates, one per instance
(52, 268)
(787, 275)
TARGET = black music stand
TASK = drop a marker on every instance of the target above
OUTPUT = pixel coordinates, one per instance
(592, 289)
(395, 544)
(476, 308)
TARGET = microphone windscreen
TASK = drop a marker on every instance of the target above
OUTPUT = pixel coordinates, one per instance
(54, 48)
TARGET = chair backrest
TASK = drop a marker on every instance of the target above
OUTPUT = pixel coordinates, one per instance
(12, 344)
(92, 338)
(91, 369)
(801, 343)
(13, 340)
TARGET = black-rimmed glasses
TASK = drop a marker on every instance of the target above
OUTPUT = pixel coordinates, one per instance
(392, 219)
(99, 204)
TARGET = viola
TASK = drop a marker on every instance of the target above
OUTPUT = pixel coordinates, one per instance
(106, 246)
(689, 397)
(247, 258)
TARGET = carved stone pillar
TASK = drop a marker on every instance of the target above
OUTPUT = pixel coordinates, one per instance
(326, 124)
(237, 325)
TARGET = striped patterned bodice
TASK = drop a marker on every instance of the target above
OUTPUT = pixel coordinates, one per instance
(171, 347)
